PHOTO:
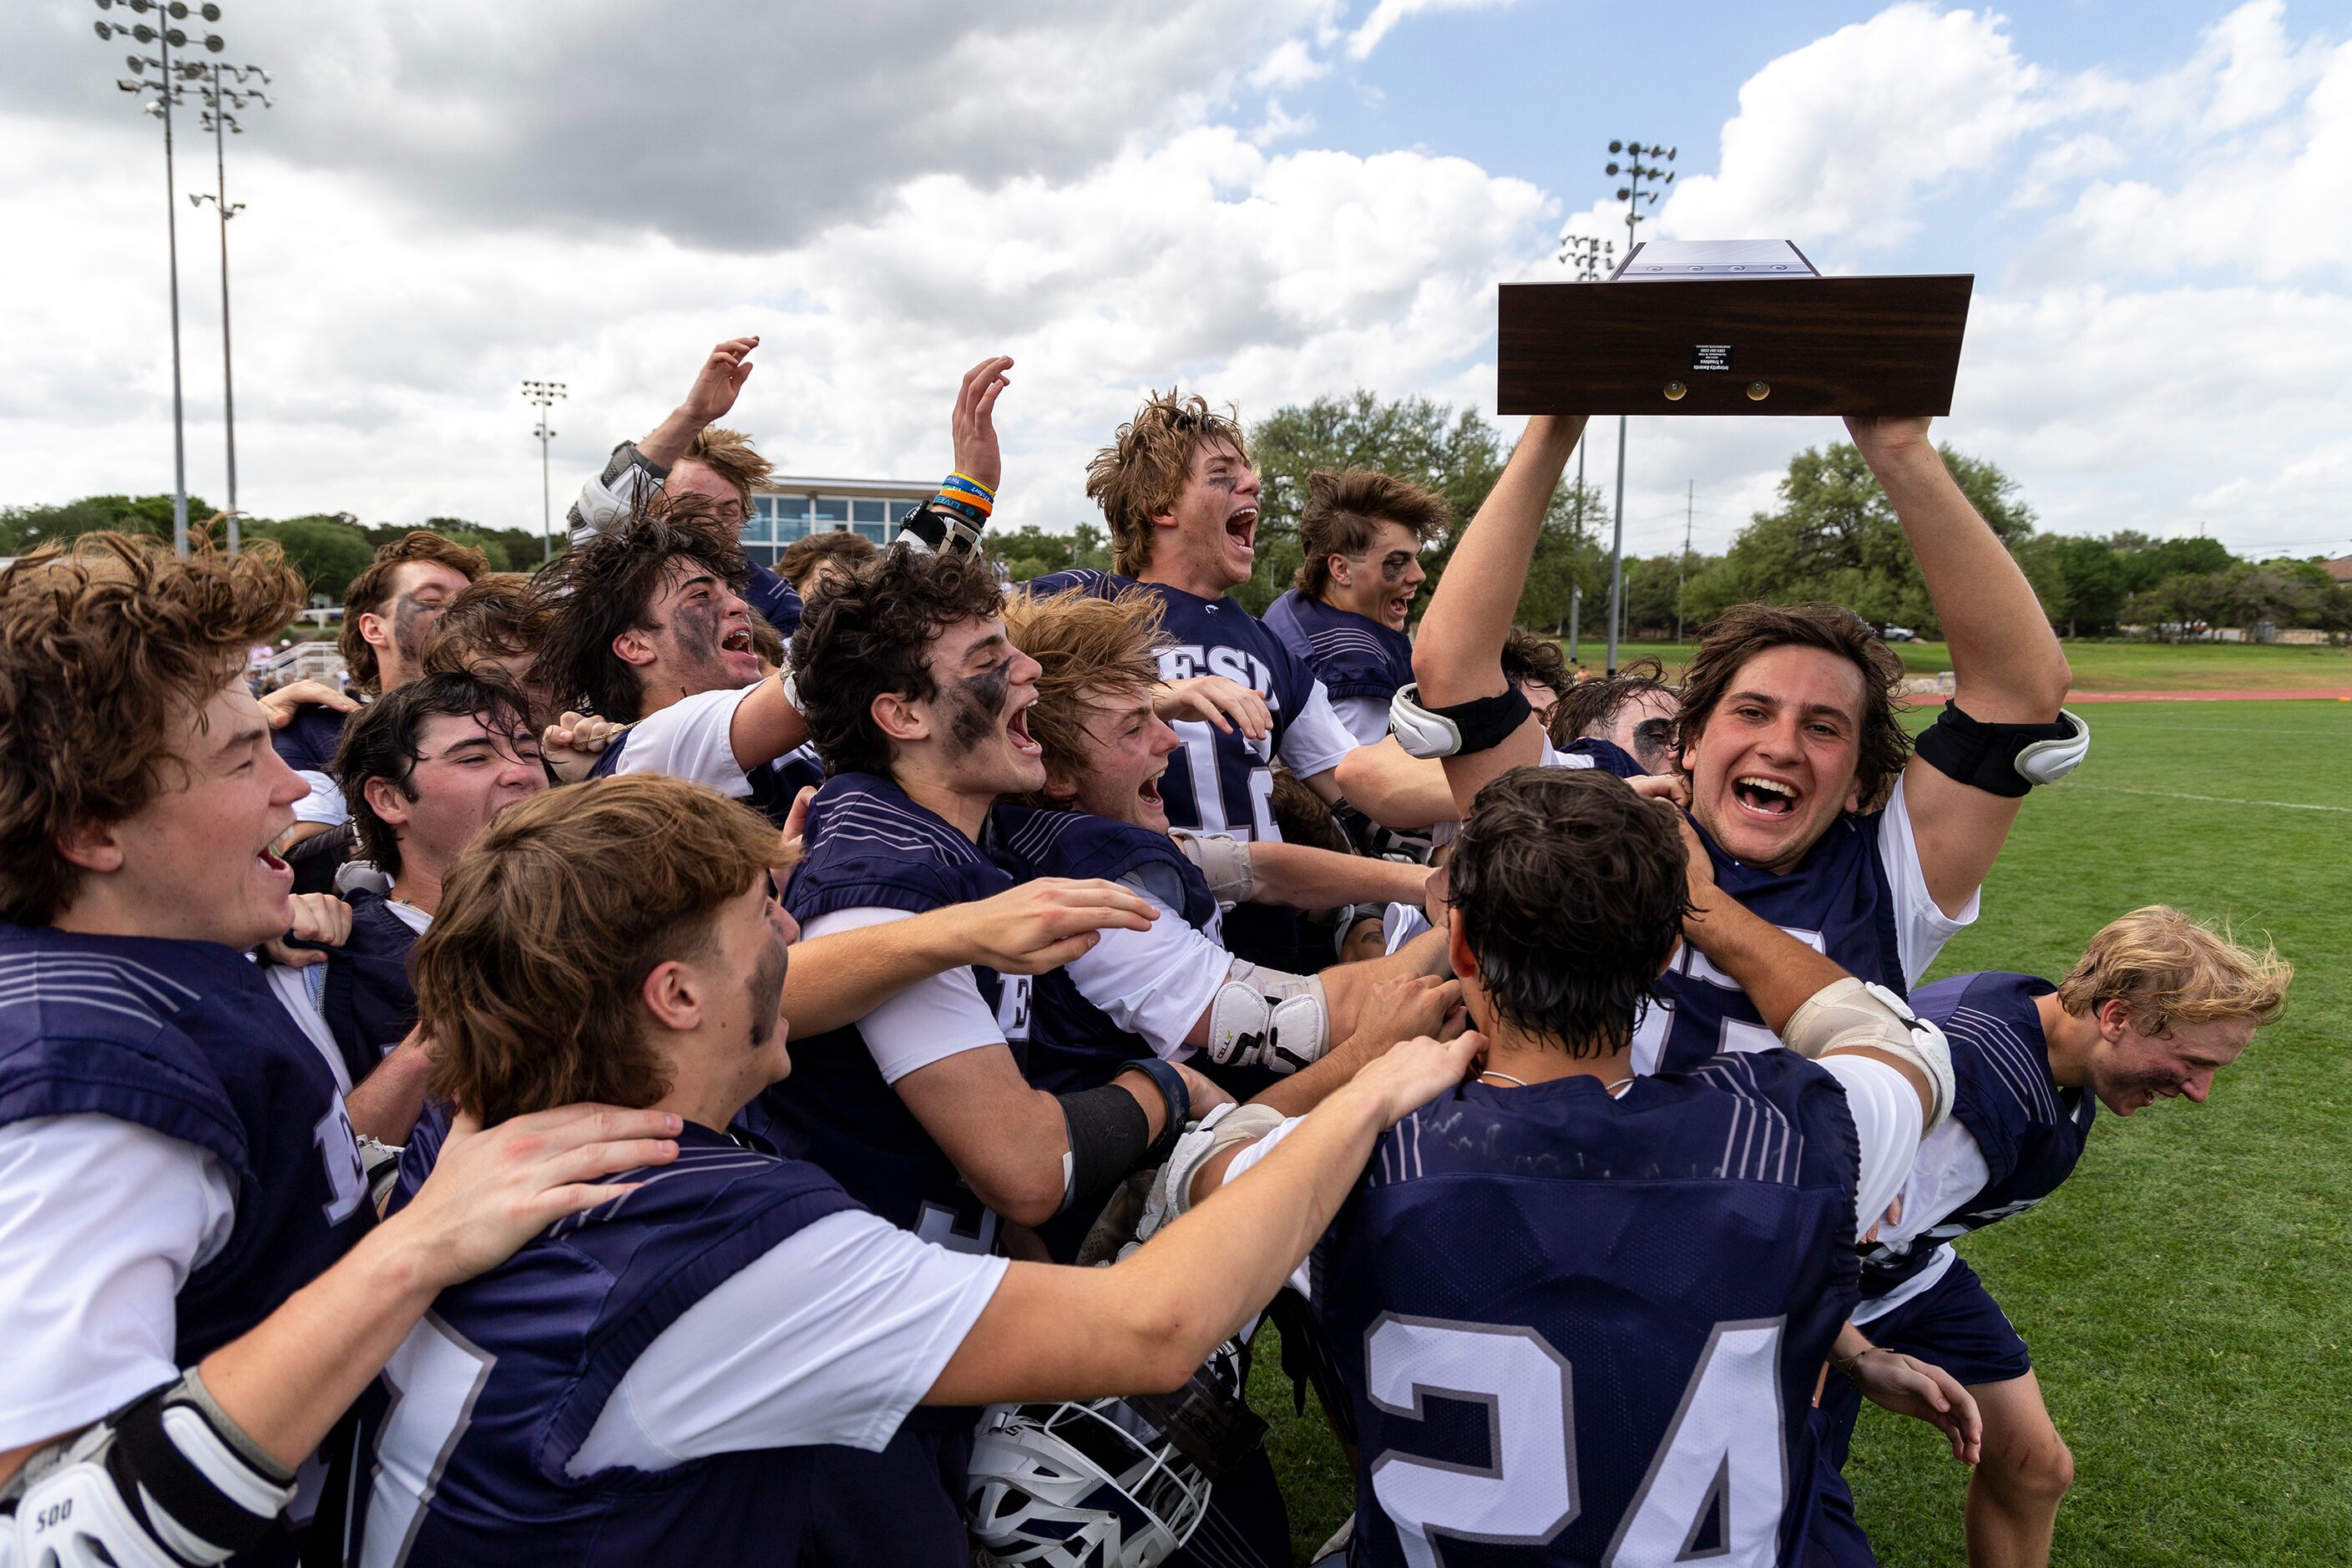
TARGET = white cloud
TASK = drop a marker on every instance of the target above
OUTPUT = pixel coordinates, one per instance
(1842, 137)
(1293, 64)
(1280, 124)
(1387, 14)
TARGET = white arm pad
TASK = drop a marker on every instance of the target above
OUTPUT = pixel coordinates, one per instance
(1223, 862)
(2047, 762)
(1222, 1128)
(1421, 732)
(1847, 1014)
(165, 1481)
(1265, 1018)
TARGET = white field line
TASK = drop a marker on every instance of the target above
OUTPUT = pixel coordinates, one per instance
(2215, 799)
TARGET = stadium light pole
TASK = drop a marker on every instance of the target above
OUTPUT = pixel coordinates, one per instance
(1590, 256)
(1631, 193)
(169, 86)
(544, 394)
(218, 100)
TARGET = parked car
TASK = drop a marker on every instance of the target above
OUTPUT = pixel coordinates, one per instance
(1900, 634)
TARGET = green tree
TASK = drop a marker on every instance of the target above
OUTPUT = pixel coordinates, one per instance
(1835, 539)
(328, 550)
(23, 527)
(1031, 551)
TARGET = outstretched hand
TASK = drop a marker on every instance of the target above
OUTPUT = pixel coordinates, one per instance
(974, 424)
(1223, 701)
(1883, 435)
(1046, 923)
(1413, 1072)
(718, 382)
(492, 1190)
(282, 704)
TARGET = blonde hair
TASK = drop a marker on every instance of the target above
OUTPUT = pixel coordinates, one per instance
(1143, 471)
(1085, 645)
(2168, 969)
(729, 454)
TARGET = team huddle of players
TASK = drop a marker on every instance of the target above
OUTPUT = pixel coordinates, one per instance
(688, 1062)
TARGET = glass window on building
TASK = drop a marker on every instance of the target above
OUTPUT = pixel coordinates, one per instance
(872, 519)
(791, 519)
(832, 512)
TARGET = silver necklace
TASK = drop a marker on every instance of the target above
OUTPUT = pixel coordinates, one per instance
(1614, 1087)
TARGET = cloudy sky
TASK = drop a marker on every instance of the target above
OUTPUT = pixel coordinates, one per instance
(1266, 199)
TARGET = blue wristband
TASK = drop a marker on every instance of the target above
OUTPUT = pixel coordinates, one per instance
(1178, 1098)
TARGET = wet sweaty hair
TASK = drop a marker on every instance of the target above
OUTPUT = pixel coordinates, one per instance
(1743, 631)
(1571, 892)
(871, 636)
(1345, 509)
(606, 585)
(1590, 707)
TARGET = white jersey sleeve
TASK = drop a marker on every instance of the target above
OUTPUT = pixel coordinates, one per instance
(1921, 928)
(1314, 739)
(832, 1336)
(104, 1223)
(1240, 1164)
(693, 738)
(1887, 1120)
(325, 803)
(1365, 718)
(1154, 983)
(930, 1021)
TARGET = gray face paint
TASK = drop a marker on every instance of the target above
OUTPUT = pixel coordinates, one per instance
(410, 621)
(976, 707)
(766, 990)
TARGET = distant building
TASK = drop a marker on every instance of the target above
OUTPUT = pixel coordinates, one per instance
(789, 508)
(2340, 568)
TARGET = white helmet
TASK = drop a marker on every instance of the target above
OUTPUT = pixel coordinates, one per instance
(1109, 1484)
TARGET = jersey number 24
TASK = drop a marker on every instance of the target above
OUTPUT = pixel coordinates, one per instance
(1723, 1458)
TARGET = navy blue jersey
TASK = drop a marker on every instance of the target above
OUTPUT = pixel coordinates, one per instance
(1226, 783)
(1589, 751)
(2030, 1128)
(309, 742)
(869, 846)
(186, 1037)
(1836, 901)
(778, 602)
(1072, 1044)
(502, 1382)
(369, 1003)
(1353, 655)
(1589, 1328)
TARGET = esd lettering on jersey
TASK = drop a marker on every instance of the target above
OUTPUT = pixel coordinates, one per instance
(1237, 665)
(339, 1149)
(1013, 1007)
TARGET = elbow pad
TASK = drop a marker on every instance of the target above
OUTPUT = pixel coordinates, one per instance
(1847, 1014)
(166, 1481)
(2004, 759)
(1223, 862)
(1478, 725)
(1171, 1193)
(1265, 1018)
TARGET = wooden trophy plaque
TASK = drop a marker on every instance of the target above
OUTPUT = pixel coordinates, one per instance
(1731, 327)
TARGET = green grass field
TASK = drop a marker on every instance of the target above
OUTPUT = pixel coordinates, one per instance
(2105, 666)
(2188, 1293)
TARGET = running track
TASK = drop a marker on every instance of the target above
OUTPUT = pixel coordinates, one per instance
(2305, 693)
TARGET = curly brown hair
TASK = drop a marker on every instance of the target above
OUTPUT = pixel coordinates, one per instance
(1084, 646)
(107, 643)
(1139, 475)
(497, 617)
(1529, 657)
(1345, 508)
(370, 591)
(871, 637)
(1572, 891)
(2168, 969)
(605, 585)
(801, 559)
(631, 870)
(1743, 631)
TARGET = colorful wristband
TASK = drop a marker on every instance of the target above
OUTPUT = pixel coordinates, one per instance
(960, 480)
